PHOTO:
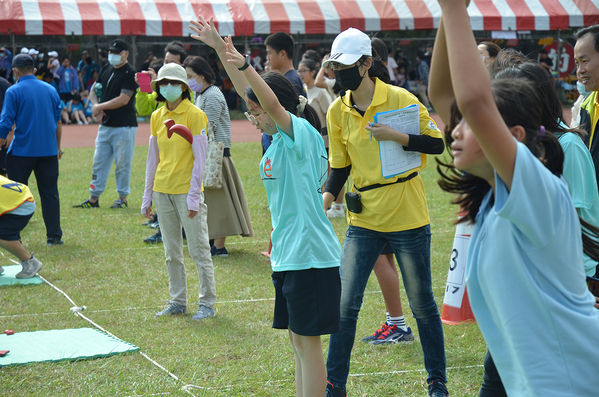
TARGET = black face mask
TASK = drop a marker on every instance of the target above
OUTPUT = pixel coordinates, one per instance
(349, 79)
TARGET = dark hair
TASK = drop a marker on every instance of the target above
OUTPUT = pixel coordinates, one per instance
(313, 55)
(185, 95)
(103, 54)
(66, 57)
(492, 48)
(552, 112)
(201, 67)
(420, 55)
(76, 97)
(379, 57)
(89, 60)
(287, 97)
(281, 41)
(156, 64)
(507, 58)
(176, 48)
(519, 104)
(24, 69)
(311, 65)
(594, 30)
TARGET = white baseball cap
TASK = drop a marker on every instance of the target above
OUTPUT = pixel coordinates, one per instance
(349, 46)
(53, 54)
(24, 50)
(33, 51)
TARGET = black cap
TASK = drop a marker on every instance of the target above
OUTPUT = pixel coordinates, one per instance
(118, 46)
(22, 60)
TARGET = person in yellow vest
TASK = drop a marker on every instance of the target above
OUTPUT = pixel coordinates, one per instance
(586, 56)
(16, 208)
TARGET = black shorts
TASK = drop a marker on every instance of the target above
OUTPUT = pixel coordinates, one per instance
(11, 226)
(307, 301)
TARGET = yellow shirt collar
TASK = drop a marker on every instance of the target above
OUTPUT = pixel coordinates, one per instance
(379, 97)
(182, 108)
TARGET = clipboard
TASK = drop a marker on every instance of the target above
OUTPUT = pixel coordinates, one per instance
(394, 159)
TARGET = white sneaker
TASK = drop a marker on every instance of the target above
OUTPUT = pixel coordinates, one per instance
(30, 268)
(80, 123)
(86, 122)
(336, 211)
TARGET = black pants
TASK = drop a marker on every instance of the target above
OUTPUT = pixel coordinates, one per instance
(492, 385)
(46, 175)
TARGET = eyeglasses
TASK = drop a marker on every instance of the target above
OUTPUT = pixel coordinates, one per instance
(164, 83)
(339, 66)
(253, 119)
(302, 71)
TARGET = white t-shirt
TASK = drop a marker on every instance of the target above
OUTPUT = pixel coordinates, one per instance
(391, 64)
(320, 100)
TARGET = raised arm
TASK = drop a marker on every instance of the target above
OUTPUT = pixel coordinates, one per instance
(472, 89)
(440, 89)
(267, 98)
(319, 80)
(207, 33)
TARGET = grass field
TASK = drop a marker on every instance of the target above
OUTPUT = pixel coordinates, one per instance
(105, 266)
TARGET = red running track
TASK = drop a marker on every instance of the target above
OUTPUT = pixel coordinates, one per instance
(74, 136)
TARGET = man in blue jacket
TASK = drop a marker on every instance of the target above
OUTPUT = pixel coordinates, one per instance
(34, 107)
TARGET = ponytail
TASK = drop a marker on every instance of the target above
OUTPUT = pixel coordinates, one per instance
(379, 60)
(310, 114)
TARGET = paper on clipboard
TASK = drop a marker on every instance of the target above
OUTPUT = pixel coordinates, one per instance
(394, 159)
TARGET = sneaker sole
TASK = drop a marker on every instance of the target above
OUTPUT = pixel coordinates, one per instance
(393, 342)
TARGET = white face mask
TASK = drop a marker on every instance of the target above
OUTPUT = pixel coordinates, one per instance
(114, 59)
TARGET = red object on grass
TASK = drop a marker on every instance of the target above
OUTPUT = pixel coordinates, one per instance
(9, 332)
(180, 129)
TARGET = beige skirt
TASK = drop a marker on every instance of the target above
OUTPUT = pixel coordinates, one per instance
(228, 213)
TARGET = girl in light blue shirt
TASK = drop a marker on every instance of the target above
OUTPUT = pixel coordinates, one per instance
(306, 253)
(531, 303)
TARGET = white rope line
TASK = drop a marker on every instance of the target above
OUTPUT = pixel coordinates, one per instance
(62, 292)
(76, 310)
(412, 370)
(146, 307)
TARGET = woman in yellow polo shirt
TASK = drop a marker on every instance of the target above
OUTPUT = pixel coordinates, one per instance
(393, 210)
(174, 172)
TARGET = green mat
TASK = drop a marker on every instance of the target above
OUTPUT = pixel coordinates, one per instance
(8, 278)
(60, 345)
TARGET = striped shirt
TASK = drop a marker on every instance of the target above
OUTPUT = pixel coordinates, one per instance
(212, 102)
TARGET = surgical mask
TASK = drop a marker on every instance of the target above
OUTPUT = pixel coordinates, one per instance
(581, 89)
(171, 92)
(194, 86)
(2, 54)
(349, 79)
(114, 59)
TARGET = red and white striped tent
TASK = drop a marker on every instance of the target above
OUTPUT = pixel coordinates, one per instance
(248, 17)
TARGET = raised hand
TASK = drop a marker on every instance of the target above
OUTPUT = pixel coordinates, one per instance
(207, 33)
(233, 56)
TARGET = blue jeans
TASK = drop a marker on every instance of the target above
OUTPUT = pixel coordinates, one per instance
(361, 250)
(116, 143)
